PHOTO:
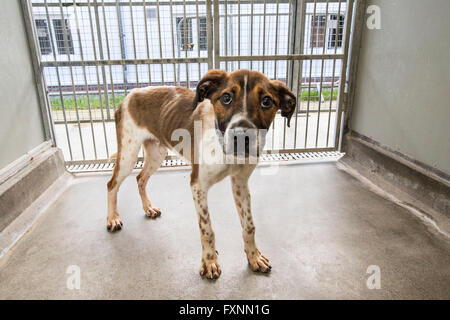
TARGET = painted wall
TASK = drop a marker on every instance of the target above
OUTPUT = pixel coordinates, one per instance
(403, 85)
(20, 119)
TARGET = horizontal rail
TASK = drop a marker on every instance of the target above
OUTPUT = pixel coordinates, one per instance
(81, 63)
(290, 57)
(165, 3)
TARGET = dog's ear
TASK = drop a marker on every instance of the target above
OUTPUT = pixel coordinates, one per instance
(287, 100)
(208, 84)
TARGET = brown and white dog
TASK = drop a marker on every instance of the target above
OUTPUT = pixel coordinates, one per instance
(227, 104)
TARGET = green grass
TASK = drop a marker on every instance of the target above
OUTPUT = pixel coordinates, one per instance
(82, 101)
(315, 95)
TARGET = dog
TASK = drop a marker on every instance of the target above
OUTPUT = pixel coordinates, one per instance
(226, 104)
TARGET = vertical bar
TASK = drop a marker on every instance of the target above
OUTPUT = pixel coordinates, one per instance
(336, 40)
(85, 80)
(160, 41)
(216, 35)
(299, 46)
(109, 58)
(58, 78)
(264, 38)
(346, 41)
(185, 25)
(251, 34)
(287, 65)
(122, 49)
(209, 33)
(147, 45)
(321, 74)
(134, 44)
(225, 32)
(173, 44)
(310, 73)
(239, 32)
(98, 76)
(198, 37)
(100, 49)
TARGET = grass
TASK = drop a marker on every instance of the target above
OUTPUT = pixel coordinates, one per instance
(314, 95)
(82, 102)
(94, 100)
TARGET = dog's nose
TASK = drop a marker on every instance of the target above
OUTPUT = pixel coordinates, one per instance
(243, 139)
(242, 124)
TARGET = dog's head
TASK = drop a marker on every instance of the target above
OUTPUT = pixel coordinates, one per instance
(245, 104)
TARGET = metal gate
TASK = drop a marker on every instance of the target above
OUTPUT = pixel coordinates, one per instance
(90, 53)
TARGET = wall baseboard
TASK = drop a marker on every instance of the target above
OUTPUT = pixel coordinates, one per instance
(413, 183)
(26, 179)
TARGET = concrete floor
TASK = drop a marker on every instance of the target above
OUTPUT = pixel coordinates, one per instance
(320, 228)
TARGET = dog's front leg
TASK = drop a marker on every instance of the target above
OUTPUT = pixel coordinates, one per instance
(209, 266)
(256, 260)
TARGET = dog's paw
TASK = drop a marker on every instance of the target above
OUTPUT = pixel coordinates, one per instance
(152, 212)
(210, 269)
(259, 263)
(114, 224)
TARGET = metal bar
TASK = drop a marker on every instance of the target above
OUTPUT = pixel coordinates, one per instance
(251, 34)
(58, 78)
(109, 57)
(299, 38)
(321, 75)
(336, 40)
(209, 33)
(173, 44)
(163, 3)
(85, 81)
(44, 103)
(239, 31)
(346, 42)
(287, 66)
(148, 45)
(310, 75)
(134, 44)
(160, 41)
(98, 78)
(217, 57)
(282, 57)
(100, 49)
(129, 61)
(122, 49)
(225, 32)
(264, 38)
(198, 37)
(186, 45)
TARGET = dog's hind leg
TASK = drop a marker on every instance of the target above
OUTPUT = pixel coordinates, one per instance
(154, 154)
(129, 141)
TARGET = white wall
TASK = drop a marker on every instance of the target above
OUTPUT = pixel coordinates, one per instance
(403, 84)
(20, 119)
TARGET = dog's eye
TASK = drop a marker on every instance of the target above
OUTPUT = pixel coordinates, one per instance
(266, 102)
(226, 99)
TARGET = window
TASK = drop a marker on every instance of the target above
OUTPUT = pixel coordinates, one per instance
(151, 13)
(336, 31)
(318, 31)
(43, 36)
(59, 36)
(184, 34)
(203, 36)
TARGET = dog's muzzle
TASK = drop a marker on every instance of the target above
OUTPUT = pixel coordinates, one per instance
(241, 140)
